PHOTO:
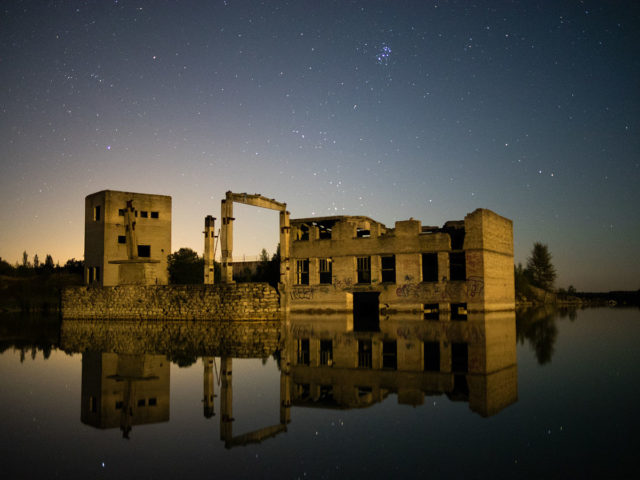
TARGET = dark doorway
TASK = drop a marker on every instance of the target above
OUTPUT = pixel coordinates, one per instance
(366, 312)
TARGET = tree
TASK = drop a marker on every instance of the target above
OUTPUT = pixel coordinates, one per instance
(186, 267)
(36, 261)
(540, 270)
(25, 259)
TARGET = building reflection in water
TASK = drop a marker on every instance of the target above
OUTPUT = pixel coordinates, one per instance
(123, 390)
(324, 363)
(471, 359)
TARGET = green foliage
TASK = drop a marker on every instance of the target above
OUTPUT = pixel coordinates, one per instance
(540, 270)
(186, 267)
(521, 279)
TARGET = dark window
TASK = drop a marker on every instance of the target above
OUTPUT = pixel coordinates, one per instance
(121, 212)
(144, 251)
(144, 214)
(431, 311)
(363, 233)
(302, 272)
(303, 351)
(326, 352)
(119, 405)
(459, 357)
(122, 239)
(364, 269)
(303, 232)
(141, 402)
(325, 270)
(366, 311)
(429, 267)
(459, 311)
(325, 233)
(96, 274)
(457, 266)
(154, 214)
(390, 355)
(388, 268)
(96, 213)
(93, 405)
(153, 402)
(364, 353)
(432, 356)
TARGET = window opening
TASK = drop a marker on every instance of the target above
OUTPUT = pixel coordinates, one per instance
(459, 311)
(325, 270)
(388, 268)
(366, 311)
(302, 272)
(390, 355)
(457, 266)
(364, 354)
(459, 357)
(303, 232)
(141, 402)
(363, 233)
(144, 214)
(121, 212)
(122, 239)
(364, 269)
(429, 267)
(432, 356)
(155, 215)
(431, 311)
(144, 251)
(153, 401)
(303, 351)
(326, 352)
(96, 213)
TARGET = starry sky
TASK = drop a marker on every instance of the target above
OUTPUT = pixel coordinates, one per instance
(391, 109)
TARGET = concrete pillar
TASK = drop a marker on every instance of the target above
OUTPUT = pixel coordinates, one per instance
(285, 253)
(226, 400)
(209, 249)
(207, 390)
(130, 229)
(226, 240)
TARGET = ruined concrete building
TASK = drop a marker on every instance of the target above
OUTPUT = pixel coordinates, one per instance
(127, 238)
(355, 263)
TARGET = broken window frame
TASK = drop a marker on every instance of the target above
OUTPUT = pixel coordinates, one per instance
(388, 273)
(363, 270)
(325, 270)
(302, 271)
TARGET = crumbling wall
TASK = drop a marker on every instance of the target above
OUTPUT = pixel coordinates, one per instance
(246, 301)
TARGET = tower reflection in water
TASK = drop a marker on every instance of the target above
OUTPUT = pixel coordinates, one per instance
(324, 363)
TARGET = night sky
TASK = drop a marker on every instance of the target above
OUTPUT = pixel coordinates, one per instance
(391, 109)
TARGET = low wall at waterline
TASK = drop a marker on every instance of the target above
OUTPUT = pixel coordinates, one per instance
(242, 301)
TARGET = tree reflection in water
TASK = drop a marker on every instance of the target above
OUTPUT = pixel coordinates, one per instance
(538, 327)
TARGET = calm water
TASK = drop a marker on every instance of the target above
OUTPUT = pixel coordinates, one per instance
(555, 397)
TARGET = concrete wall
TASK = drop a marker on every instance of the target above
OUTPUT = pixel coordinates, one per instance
(101, 244)
(245, 301)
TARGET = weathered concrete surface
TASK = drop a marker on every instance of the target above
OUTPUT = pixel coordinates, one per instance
(176, 339)
(245, 301)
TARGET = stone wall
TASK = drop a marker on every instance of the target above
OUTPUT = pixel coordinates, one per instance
(244, 301)
(174, 338)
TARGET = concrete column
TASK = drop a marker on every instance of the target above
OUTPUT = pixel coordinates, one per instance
(226, 400)
(209, 249)
(226, 240)
(207, 390)
(443, 266)
(285, 253)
